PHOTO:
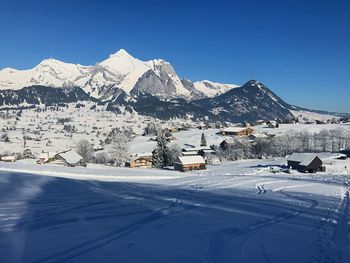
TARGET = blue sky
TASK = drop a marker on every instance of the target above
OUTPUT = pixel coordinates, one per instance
(299, 49)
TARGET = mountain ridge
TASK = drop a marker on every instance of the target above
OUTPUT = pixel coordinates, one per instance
(119, 71)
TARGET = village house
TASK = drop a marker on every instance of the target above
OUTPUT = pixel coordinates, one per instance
(272, 124)
(172, 129)
(189, 163)
(140, 160)
(9, 158)
(237, 131)
(205, 151)
(305, 162)
(194, 150)
(46, 157)
(69, 158)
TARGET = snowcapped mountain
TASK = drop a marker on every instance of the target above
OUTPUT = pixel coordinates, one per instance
(212, 89)
(120, 71)
(250, 102)
(50, 72)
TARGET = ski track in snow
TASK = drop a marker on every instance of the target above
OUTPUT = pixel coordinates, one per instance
(238, 214)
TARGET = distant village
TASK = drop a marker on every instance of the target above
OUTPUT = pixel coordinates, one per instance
(45, 135)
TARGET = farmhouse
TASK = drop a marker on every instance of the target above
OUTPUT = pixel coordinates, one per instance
(189, 163)
(140, 160)
(69, 158)
(237, 131)
(305, 162)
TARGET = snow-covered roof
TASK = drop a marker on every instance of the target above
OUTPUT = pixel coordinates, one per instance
(71, 156)
(196, 149)
(234, 129)
(303, 158)
(190, 153)
(209, 151)
(259, 135)
(8, 158)
(192, 159)
(329, 156)
(47, 155)
(143, 154)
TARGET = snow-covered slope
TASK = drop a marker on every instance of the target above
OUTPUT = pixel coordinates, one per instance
(120, 71)
(212, 89)
(234, 212)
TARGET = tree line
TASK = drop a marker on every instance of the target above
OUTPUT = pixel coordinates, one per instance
(283, 145)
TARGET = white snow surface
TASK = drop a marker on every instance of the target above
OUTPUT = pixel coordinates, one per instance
(212, 89)
(234, 212)
(49, 72)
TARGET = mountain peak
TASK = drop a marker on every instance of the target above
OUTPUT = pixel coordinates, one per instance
(120, 53)
(252, 82)
(50, 61)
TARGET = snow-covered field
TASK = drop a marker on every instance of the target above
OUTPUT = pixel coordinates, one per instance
(234, 212)
(45, 133)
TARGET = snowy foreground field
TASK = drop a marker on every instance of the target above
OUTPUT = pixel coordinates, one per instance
(238, 212)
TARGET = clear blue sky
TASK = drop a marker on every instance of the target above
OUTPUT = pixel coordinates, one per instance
(300, 49)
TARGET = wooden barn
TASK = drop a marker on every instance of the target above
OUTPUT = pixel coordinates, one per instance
(305, 162)
(189, 163)
(237, 131)
(69, 158)
(141, 160)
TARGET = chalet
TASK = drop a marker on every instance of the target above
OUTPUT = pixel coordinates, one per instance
(140, 160)
(69, 158)
(172, 129)
(272, 124)
(237, 131)
(46, 157)
(9, 158)
(305, 162)
(195, 150)
(189, 163)
(204, 151)
(190, 153)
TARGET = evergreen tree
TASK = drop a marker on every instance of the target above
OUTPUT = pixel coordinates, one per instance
(203, 140)
(159, 158)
